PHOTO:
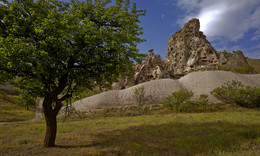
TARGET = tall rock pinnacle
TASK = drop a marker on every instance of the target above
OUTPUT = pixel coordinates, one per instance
(188, 49)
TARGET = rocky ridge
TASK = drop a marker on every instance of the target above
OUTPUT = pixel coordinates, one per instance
(188, 50)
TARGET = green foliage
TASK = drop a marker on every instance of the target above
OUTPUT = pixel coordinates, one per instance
(224, 68)
(26, 99)
(203, 101)
(64, 45)
(245, 69)
(139, 94)
(236, 93)
(176, 101)
(131, 84)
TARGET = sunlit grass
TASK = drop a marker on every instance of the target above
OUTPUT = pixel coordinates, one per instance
(216, 133)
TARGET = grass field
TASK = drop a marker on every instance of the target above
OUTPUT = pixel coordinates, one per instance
(234, 131)
(11, 111)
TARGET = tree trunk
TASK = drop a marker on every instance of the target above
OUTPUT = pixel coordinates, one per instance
(51, 123)
(51, 131)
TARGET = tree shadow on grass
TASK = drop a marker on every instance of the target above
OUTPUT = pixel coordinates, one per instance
(179, 138)
(94, 144)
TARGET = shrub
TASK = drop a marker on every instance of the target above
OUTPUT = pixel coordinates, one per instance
(176, 101)
(224, 68)
(131, 84)
(139, 93)
(236, 93)
(245, 69)
(203, 101)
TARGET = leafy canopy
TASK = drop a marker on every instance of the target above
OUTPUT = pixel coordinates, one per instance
(57, 47)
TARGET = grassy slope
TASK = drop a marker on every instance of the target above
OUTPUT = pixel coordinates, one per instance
(11, 111)
(231, 132)
(255, 63)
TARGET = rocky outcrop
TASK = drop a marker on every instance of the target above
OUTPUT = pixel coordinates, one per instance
(153, 68)
(237, 60)
(188, 49)
(238, 63)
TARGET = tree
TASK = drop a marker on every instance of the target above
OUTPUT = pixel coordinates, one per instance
(56, 47)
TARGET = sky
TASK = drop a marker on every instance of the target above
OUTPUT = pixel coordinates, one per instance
(228, 24)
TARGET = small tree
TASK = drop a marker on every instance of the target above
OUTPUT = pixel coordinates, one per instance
(177, 98)
(139, 94)
(61, 46)
(26, 99)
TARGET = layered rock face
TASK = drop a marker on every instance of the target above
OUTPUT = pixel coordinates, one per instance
(153, 68)
(188, 49)
(237, 60)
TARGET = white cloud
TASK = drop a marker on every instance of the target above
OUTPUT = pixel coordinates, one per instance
(162, 16)
(223, 18)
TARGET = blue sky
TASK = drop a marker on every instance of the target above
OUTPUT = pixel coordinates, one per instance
(228, 24)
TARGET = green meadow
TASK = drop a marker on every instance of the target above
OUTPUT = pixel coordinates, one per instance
(141, 131)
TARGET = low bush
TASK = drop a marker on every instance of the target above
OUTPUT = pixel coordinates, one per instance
(139, 93)
(176, 101)
(245, 69)
(203, 101)
(236, 93)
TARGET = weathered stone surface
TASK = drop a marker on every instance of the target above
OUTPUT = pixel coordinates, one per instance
(222, 59)
(188, 49)
(237, 60)
(153, 68)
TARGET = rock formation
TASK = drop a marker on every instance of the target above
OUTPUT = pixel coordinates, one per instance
(153, 68)
(188, 49)
(237, 60)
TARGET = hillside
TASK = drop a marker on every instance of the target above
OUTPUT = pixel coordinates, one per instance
(199, 82)
(10, 110)
(255, 63)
